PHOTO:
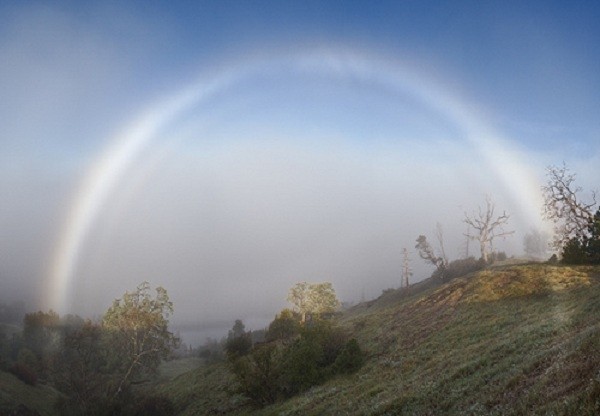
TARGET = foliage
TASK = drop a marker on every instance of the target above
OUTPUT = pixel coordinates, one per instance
(574, 252)
(42, 335)
(80, 370)
(460, 267)
(258, 375)
(237, 330)
(592, 241)
(138, 333)
(238, 346)
(284, 327)
(313, 299)
(350, 359)
(586, 249)
(279, 369)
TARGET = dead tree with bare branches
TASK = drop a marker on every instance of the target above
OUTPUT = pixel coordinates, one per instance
(486, 227)
(406, 270)
(564, 206)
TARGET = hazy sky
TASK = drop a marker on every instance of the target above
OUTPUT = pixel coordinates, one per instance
(226, 150)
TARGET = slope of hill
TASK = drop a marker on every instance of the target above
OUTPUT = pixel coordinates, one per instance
(19, 398)
(509, 340)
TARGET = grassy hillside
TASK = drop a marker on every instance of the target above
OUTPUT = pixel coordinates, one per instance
(15, 394)
(510, 340)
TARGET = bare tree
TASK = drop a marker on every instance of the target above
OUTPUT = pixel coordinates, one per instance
(486, 227)
(466, 244)
(439, 234)
(564, 207)
(406, 270)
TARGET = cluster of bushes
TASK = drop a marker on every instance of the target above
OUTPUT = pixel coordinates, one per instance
(459, 268)
(294, 358)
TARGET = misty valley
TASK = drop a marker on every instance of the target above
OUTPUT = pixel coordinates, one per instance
(299, 208)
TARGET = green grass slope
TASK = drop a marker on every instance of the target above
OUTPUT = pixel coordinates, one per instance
(512, 340)
(15, 394)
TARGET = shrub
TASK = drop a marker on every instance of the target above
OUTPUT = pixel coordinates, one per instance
(301, 369)
(458, 268)
(284, 327)
(574, 252)
(283, 369)
(24, 373)
(238, 346)
(258, 374)
(350, 359)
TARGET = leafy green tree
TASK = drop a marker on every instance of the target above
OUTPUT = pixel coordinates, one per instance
(573, 252)
(138, 332)
(313, 299)
(239, 342)
(237, 330)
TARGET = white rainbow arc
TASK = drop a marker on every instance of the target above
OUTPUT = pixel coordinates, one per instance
(103, 176)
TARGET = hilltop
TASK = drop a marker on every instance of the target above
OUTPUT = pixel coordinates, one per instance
(517, 339)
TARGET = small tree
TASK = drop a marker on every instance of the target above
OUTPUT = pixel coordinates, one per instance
(487, 227)
(138, 332)
(239, 342)
(592, 241)
(406, 270)
(314, 299)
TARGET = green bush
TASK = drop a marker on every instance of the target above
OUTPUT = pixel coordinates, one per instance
(238, 346)
(301, 366)
(574, 252)
(258, 374)
(284, 368)
(284, 327)
(350, 359)
(458, 268)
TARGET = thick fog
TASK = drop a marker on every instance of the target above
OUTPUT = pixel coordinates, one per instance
(279, 177)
